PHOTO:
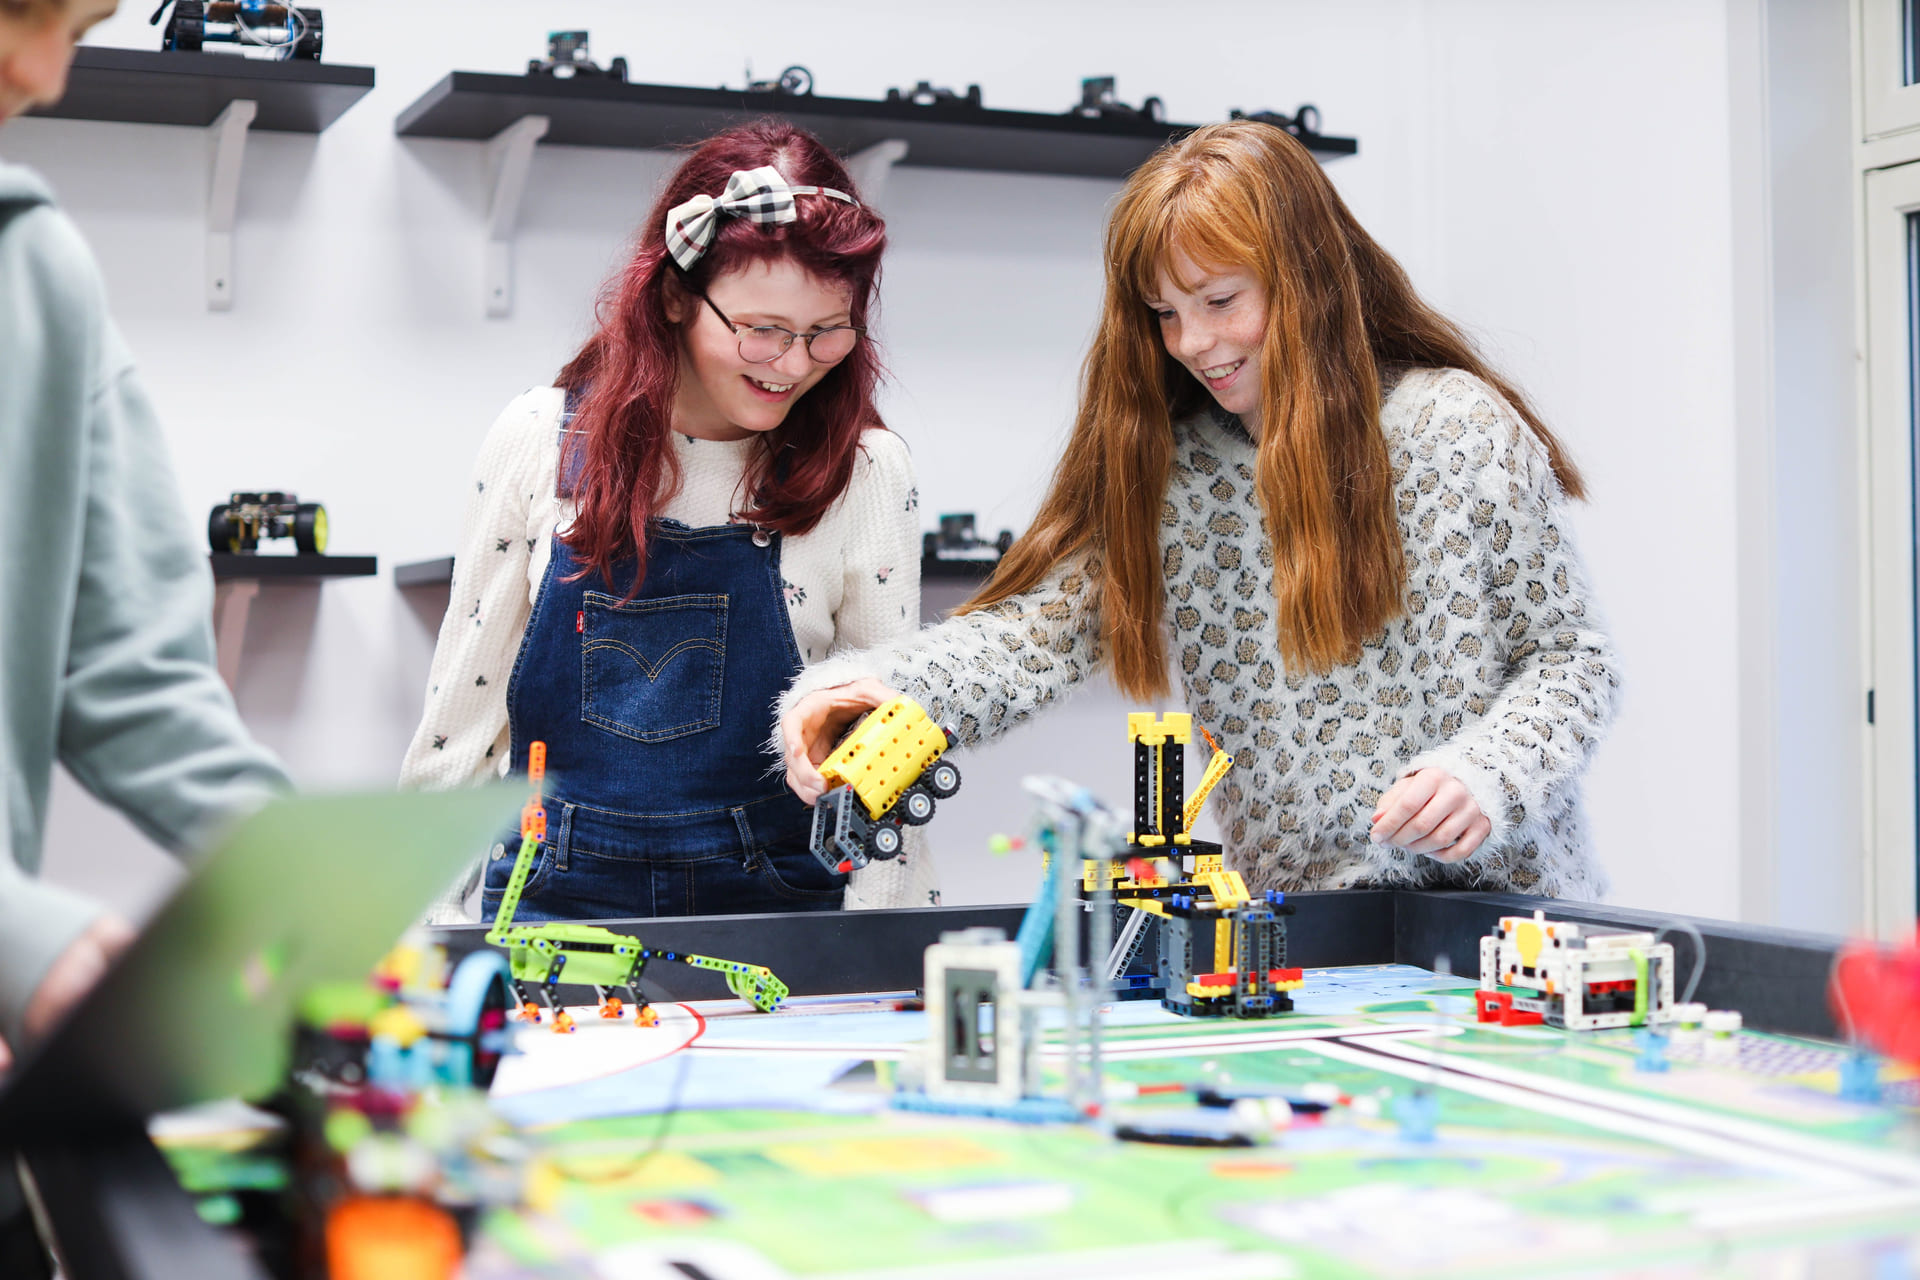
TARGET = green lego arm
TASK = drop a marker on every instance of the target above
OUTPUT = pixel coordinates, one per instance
(510, 901)
(751, 982)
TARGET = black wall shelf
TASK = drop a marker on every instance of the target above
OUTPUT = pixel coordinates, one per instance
(230, 567)
(424, 573)
(140, 86)
(594, 112)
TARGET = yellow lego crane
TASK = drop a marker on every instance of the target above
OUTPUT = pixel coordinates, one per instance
(1221, 951)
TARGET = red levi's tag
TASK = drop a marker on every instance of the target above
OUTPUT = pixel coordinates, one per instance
(580, 620)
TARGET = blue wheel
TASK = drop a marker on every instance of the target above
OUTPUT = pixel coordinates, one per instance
(479, 997)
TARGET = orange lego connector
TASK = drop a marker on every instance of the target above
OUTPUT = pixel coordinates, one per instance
(533, 818)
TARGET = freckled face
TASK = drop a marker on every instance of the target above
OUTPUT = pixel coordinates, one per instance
(723, 397)
(1214, 324)
(37, 49)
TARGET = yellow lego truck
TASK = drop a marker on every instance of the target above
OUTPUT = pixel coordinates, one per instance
(887, 774)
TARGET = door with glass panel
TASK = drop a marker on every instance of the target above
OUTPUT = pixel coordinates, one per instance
(1893, 483)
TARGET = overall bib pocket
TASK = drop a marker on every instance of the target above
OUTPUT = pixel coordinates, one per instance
(652, 670)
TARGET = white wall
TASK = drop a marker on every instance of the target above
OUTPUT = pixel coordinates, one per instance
(1558, 177)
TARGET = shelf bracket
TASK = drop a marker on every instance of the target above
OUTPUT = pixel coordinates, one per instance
(232, 602)
(871, 166)
(509, 160)
(228, 138)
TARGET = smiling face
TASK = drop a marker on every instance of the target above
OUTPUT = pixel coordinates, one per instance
(36, 48)
(721, 396)
(1213, 321)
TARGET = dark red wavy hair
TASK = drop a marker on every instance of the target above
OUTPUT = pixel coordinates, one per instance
(626, 374)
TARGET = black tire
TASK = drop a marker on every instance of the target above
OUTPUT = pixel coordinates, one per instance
(307, 48)
(310, 529)
(943, 779)
(915, 807)
(1004, 543)
(617, 69)
(494, 1014)
(885, 841)
(187, 28)
(220, 539)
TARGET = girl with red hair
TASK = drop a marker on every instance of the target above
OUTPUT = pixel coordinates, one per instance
(1298, 482)
(704, 502)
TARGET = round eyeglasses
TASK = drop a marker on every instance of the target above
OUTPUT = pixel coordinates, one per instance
(765, 343)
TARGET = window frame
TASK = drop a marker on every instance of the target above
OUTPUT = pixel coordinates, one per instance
(1890, 299)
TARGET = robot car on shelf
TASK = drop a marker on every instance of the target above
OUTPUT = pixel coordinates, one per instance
(239, 524)
(567, 59)
(956, 540)
(1303, 123)
(926, 94)
(795, 81)
(288, 31)
(1098, 101)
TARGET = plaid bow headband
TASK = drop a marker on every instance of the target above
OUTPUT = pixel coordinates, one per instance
(761, 195)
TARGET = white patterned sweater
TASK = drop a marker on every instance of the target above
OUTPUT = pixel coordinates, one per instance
(1497, 672)
(850, 581)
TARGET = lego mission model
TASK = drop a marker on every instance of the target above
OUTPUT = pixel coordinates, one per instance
(1223, 952)
(588, 954)
(1580, 979)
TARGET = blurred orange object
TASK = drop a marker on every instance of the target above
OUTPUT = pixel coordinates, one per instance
(1875, 994)
(391, 1238)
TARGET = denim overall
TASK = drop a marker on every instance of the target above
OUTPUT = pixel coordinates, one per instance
(659, 798)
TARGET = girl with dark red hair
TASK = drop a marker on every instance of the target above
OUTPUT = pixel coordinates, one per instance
(703, 503)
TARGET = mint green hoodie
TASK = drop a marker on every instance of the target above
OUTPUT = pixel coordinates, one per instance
(106, 635)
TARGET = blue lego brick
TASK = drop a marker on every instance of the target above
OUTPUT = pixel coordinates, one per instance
(1024, 1111)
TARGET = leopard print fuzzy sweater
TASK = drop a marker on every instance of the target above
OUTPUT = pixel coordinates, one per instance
(1497, 672)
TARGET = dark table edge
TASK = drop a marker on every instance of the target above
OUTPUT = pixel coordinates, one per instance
(119, 1214)
(1776, 978)
(116, 1212)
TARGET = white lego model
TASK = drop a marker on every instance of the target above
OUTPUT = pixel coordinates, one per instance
(1573, 977)
(979, 1047)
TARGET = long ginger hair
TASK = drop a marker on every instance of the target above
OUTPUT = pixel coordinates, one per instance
(1248, 196)
(619, 452)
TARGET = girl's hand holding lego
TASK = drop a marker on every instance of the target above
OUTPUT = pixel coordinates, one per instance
(1430, 811)
(815, 724)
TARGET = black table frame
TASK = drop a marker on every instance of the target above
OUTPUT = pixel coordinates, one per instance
(115, 1213)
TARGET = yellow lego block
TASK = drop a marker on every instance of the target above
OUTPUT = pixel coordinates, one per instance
(1209, 990)
(892, 747)
(398, 1023)
(1528, 938)
(1222, 946)
(1151, 730)
(1227, 888)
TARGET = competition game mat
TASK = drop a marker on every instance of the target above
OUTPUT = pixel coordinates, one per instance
(725, 1144)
